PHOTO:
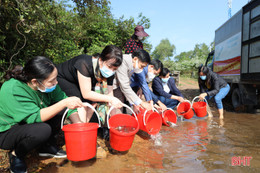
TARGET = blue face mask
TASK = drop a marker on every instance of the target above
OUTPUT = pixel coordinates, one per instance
(106, 73)
(203, 77)
(47, 89)
(165, 80)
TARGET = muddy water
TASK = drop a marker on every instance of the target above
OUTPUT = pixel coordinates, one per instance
(195, 145)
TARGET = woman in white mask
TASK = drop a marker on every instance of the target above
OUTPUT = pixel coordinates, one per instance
(135, 42)
(164, 87)
(31, 109)
(132, 63)
(80, 75)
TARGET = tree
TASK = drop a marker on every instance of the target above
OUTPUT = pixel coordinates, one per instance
(164, 50)
(59, 31)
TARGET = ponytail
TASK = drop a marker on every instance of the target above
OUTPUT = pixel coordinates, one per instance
(16, 73)
(38, 68)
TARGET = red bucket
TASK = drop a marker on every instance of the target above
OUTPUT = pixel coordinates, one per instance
(184, 109)
(123, 128)
(168, 115)
(200, 107)
(149, 121)
(81, 139)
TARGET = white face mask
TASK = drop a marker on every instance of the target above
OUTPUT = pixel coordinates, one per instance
(150, 76)
(136, 68)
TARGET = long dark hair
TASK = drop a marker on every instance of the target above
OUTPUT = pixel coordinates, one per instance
(38, 68)
(112, 52)
(206, 71)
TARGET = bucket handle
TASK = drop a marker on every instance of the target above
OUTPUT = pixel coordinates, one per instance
(155, 110)
(108, 114)
(86, 104)
(165, 110)
(196, 98)
(183, 101)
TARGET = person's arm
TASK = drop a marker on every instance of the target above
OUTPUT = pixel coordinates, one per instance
(27, 107)
(141, 79)
(214, 85)
(176, 94)
(50, 111)
(124, 84)
(156, 100)
(174, 89)
(87, 93)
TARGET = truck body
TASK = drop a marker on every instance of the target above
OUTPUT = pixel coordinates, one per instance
(237, 54)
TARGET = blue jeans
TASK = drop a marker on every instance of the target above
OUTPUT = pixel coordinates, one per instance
(169, 103)
(219, 96)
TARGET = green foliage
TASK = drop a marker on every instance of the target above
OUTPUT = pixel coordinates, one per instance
(188, 62)
(164, 50)
(60, 31)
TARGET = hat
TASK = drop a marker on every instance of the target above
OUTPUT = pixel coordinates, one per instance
(139, 31)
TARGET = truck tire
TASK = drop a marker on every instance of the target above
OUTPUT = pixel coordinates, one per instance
(236, 98)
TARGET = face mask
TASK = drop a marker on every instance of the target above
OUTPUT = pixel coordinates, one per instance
(150, 76)
(203, 77)
(106, 72)
(140, 38)
(47, 89)
(136, 69)
(165, 80)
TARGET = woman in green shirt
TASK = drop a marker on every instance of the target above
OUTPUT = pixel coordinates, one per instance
(31, 106)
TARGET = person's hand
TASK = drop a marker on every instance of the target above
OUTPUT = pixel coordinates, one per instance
(180, 99)
(146, 106)
(158, 108)
(136, 109)
(202, 96)
(162, 106)
(73, 102)
(115, 102)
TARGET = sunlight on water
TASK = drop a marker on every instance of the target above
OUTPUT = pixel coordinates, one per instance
(193, 145)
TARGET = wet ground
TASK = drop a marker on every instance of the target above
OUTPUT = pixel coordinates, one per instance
(194, 145)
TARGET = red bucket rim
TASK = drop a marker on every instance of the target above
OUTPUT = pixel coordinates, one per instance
(124, 133)
(163, 118)
(80, 127)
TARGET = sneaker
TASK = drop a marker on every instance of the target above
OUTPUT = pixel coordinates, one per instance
(51, 151)
(17, 165)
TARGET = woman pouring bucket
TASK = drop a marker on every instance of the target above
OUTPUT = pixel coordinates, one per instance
(31, 107)
(79, 76)
(212, 85)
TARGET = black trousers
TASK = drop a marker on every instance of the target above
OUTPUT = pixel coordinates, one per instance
(22, 138)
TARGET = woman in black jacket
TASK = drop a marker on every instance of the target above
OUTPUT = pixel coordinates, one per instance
(212, 85)
(165, 90)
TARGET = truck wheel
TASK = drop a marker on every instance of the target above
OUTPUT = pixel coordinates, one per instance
(236, 98)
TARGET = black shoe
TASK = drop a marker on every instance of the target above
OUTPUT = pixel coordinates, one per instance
(51, 151)
(17, 165)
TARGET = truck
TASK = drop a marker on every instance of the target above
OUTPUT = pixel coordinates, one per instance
(237, 55)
